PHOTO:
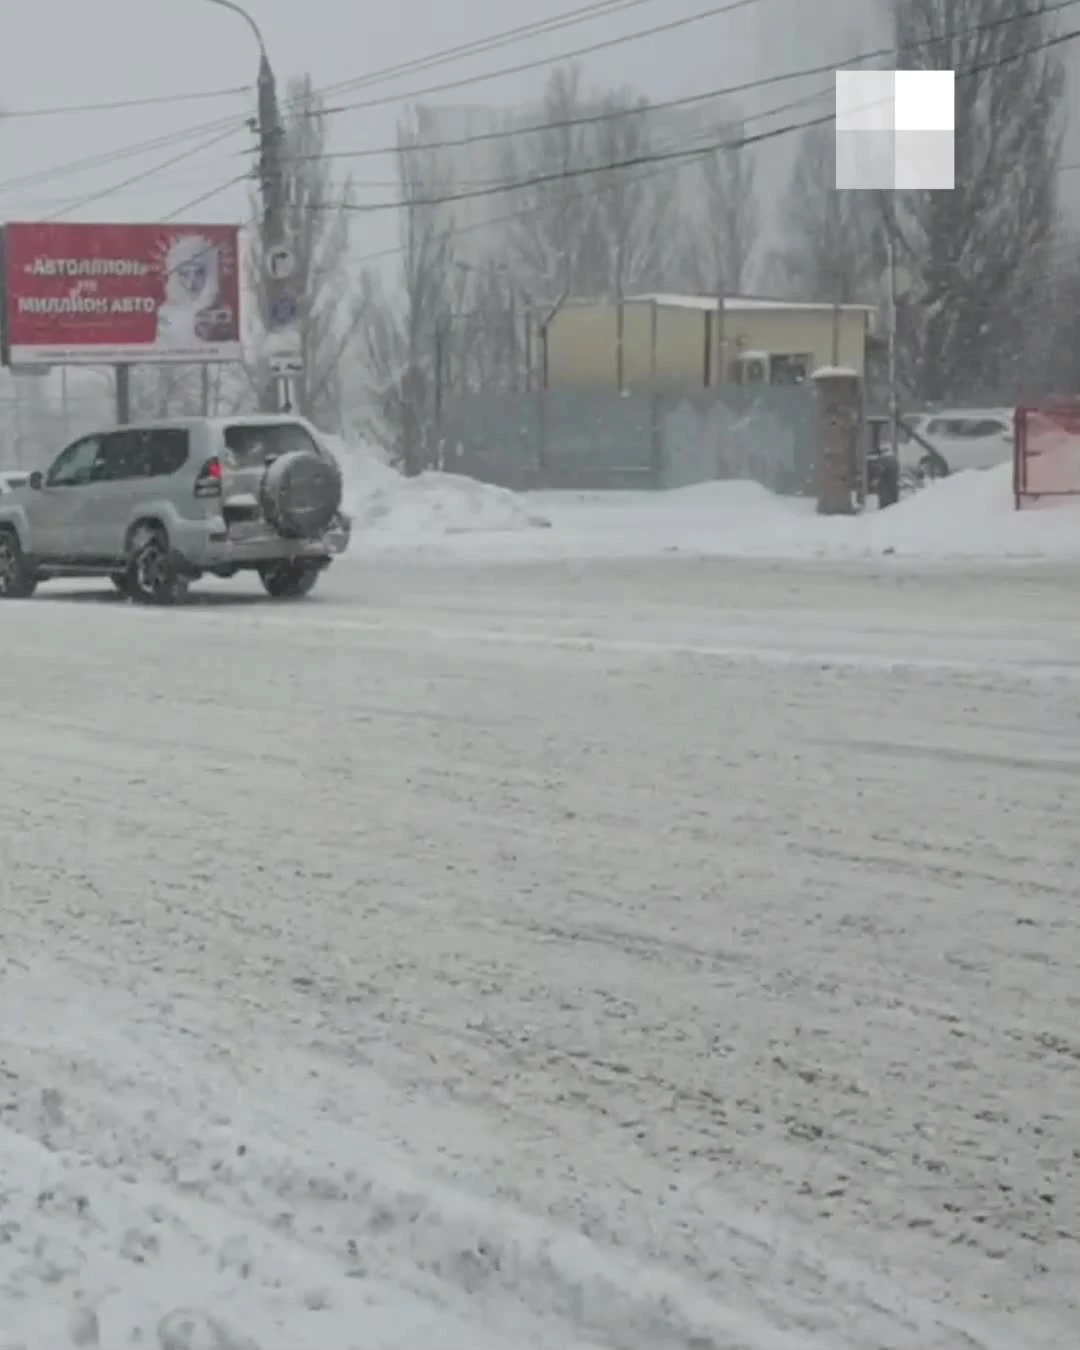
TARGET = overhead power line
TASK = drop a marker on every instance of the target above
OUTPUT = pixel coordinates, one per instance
(602, 8)
(479, 46)
(681, 156)
(117, 156)
(575, 15)
(114, 188)
(122, 104)
(665, 105)
(499, 186)
(524, 67)
(207, 196)
(662, 156)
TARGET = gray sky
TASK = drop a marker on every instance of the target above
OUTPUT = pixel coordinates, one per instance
(116, 49)
(66, 52)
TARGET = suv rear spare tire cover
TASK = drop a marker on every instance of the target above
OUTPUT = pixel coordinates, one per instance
(301, 495)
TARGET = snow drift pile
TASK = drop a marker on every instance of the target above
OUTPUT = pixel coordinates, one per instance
(389, 509)
(967, 516)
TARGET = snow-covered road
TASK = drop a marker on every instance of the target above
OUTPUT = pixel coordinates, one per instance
(647, 955)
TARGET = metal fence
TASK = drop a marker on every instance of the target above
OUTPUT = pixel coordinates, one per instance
(598, 439)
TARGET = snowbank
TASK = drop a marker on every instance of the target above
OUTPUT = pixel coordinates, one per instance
(967, 516)
(389, 509)
(972, 515)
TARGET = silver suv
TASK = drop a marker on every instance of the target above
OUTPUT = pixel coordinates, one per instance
(157, 505)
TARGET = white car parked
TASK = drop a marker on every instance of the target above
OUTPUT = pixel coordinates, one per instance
(971, 438)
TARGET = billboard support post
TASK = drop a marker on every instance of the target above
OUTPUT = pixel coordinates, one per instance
(123, 394)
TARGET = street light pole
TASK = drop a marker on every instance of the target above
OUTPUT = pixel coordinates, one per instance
(278, 396)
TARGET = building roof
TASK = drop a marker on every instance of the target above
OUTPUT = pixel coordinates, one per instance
(747, 303)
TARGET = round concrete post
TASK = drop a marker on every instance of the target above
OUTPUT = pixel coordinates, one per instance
(837, 465)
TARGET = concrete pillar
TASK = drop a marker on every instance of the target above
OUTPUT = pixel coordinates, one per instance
(838, 412)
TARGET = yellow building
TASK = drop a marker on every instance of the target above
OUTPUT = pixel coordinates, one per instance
(681, 341)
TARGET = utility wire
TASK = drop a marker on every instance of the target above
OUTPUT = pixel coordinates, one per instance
(122, 104)
(680, 157)
(604, 7)
(635, 161)
(523, 67)
(114, 188)
(664, 105)
(762, 82)
(496, 188)
(520, 33)
(108, 157)
(207, 196)
(479, 46)
(500, 186)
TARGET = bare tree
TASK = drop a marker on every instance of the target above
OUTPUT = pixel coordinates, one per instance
(972, 258)
(1050, 323)
(489, 342)
(404, 335)
(832, 243)
(721, 229)
(317, 231)
(583, 228)
(632, 213)
(549, 244)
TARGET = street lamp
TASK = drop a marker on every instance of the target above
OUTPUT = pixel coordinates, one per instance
(239, 9)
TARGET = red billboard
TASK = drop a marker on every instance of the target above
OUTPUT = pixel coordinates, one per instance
(77, 294)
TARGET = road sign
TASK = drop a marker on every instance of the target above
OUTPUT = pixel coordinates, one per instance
(285, 367)
(283, 311)
(285, 353)
(280, 263)
(284, 342)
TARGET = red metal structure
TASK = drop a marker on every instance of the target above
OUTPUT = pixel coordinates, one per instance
(1046, 453)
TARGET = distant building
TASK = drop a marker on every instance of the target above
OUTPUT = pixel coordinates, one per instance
(687, 341)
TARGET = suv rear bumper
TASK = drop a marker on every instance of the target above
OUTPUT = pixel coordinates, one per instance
(211, 544)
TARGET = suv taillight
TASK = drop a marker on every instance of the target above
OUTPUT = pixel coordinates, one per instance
(208, 482)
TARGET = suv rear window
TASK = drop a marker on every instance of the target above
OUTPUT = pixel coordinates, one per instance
(251, 444)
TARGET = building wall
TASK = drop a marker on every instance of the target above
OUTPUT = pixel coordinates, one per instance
(583, 342)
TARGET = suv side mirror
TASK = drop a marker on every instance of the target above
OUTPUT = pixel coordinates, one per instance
(36, 480)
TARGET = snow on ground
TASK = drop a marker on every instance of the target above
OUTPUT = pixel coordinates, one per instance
(642, 955)
(969, 515)
(389, 509)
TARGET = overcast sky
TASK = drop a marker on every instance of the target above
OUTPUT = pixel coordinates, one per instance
(66, 52)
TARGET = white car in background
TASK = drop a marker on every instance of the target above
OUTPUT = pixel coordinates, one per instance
(12, 479)
(952, 441)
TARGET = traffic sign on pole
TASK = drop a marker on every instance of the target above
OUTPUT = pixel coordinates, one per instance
(280, 263)
(284, 311)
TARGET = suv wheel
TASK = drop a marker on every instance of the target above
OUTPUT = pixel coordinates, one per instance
(17, 580)
(289, 580)
(153, 577)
